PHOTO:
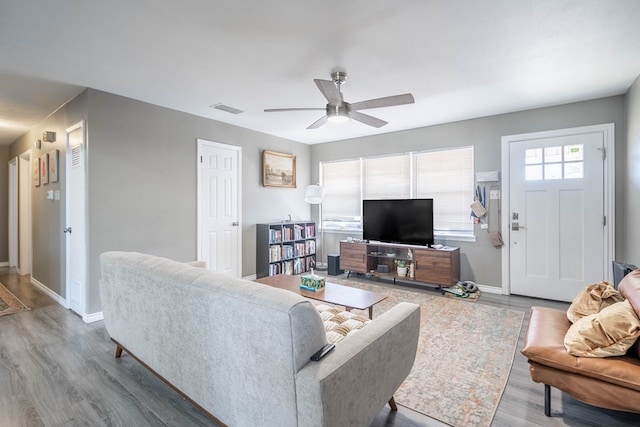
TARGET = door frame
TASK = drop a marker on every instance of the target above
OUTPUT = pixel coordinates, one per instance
(25, 173)
(13, 212)
(202, 143)
(608, 132)
(68, 201)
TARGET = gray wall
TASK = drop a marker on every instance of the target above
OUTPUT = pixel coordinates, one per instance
(142, 178)
(631, 161)
(48, 216)
(142, 181)
(480, 261)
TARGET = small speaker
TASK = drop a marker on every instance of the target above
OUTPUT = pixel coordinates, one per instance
(333, 267)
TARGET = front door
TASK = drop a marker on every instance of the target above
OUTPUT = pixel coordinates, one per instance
(219, 233)
(557, 213)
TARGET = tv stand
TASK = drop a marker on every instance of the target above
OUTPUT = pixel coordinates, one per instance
(436, 267)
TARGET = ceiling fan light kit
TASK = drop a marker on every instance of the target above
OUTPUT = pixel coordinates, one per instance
(339, 111)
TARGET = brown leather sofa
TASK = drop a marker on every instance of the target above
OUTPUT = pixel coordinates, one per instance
(609, 382)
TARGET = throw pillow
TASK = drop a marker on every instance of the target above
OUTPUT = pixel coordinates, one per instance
(611, 332)
(592, 299)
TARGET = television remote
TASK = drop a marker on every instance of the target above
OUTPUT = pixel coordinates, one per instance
(322, 352)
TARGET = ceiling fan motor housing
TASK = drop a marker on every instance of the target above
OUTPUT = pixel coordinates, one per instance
(338, 113)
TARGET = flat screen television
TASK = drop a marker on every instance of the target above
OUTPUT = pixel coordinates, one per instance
(407, 221)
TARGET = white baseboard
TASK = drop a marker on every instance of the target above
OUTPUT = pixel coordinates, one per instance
(87, 318)
(57, 298)
(251, 277)
(490, 289)
(93, 317)
(4, 264)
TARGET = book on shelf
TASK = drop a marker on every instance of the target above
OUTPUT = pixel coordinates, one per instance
(310, 262)
(288, 233)
(287, 251)
(275, 269)
(298, 231)
(310, 247)
(310, 231)
(275, 236)
(275, 253)
(287, 267)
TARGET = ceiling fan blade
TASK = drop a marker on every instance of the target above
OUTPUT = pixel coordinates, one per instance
(274, 110)
(315, 125)
(330, 91)
(387, 101)
(367, 119)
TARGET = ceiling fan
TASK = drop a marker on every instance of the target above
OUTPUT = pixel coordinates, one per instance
(337, 110)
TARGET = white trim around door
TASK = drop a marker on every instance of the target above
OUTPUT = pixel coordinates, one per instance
(222, 208)
(608, 135)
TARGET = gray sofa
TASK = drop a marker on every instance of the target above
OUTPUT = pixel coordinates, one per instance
(240, 350)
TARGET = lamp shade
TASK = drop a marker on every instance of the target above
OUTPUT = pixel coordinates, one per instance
(314, 194)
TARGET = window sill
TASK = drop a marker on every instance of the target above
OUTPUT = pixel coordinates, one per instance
(439, 236)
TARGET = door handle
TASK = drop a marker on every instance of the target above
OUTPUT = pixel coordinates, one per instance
(67, 230)
(515, 226)
(235, 223)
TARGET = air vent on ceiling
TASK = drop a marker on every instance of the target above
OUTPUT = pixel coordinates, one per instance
(226, 108)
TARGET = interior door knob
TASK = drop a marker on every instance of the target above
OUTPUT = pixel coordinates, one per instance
(67, 230)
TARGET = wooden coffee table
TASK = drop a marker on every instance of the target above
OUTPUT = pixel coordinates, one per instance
(332, 293)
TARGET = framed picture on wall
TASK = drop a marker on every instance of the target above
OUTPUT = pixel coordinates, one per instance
(44, 169)
(278, 169)
(36, 172)
(53, 165)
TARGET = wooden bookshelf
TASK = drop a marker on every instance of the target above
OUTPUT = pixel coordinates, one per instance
(285, 248)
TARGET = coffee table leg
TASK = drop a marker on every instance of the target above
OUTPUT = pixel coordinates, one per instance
(370, 311)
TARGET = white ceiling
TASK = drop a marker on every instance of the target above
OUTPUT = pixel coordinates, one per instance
(460, 59)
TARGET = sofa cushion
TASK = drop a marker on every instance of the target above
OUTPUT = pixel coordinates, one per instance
(611, 332)
(340, 324)
(592, 299)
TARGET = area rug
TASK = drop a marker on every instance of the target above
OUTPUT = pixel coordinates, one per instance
(464, 357)
(9, 304)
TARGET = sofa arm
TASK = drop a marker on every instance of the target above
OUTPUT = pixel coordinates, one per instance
(352, 384)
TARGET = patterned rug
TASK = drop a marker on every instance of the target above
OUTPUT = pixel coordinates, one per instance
(9, 304)
(465, 353)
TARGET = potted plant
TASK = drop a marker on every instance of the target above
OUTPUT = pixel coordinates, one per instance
(401, 267)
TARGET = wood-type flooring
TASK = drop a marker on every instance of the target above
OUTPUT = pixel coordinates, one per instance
(55, 370)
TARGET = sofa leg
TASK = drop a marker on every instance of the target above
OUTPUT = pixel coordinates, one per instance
(118, 351)
(392, 405)
(547, 400)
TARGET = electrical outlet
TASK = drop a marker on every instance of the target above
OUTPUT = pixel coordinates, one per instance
(494, 194)
(484, 226)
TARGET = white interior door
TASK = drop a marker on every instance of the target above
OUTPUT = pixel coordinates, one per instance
(76, 219)
(219, 210)
(557, 213)
(25, 174)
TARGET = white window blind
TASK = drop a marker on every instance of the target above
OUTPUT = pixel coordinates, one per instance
(446, 176)
(342, 181)
(387, 177)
